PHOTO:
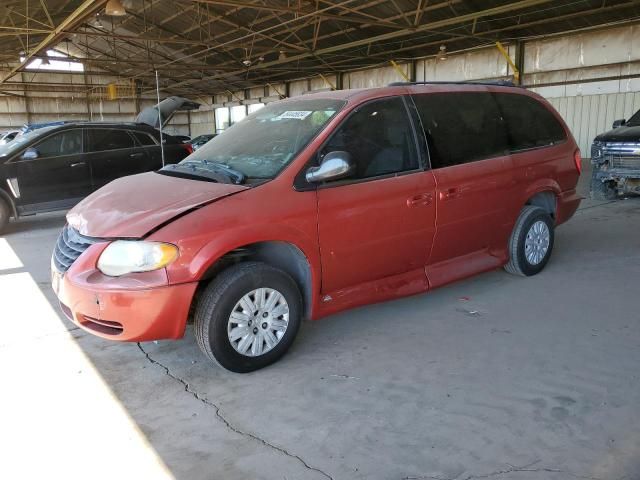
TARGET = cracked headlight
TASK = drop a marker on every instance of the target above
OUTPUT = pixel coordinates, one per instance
(127, 256)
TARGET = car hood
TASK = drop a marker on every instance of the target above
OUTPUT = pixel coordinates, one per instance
(167, 108)
(620, 134)
(131, 207)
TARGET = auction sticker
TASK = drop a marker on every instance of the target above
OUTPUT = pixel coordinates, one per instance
(299, 114)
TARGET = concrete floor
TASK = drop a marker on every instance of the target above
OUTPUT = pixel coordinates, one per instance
(494, 377)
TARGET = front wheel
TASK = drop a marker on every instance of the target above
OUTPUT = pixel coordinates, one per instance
(531, 242)
(248, 316)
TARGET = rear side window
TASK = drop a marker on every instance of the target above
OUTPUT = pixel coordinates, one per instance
(144, 138)
(461, 127)
(529, 123)
(105, 139)
(68, 142)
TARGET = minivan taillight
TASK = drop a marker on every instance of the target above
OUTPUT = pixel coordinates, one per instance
(578, 159)
(189, 148)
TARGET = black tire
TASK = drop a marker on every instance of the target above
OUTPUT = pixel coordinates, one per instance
(5, 213)
(601, 190)
(518, 263)
(218, 301)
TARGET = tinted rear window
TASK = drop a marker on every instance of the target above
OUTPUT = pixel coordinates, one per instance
(144, 138)
(461, 127)
(529, 123)
(107, 139)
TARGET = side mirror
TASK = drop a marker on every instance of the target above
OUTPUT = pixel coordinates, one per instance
(334, 165)
(30, 154)
(619, 123)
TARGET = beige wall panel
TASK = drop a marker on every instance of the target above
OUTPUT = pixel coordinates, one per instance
(298, 87)
(319, 83)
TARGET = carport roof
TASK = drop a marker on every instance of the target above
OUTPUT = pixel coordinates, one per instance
(213, 46)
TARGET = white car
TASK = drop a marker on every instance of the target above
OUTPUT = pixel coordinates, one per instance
(6, 137)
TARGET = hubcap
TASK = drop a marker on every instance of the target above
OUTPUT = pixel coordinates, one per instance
(536, 244)
(266, 308)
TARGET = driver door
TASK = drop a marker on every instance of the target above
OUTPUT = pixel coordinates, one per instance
(380, 221)
(59, 176)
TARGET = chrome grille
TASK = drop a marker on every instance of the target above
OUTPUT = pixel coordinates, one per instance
(69, 247)
(620, 161)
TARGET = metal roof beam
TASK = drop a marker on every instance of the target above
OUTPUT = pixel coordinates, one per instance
(87, 8)
(522, 4)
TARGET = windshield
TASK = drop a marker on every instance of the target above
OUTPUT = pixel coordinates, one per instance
(634, 121)
(21, 140)
(266, 141)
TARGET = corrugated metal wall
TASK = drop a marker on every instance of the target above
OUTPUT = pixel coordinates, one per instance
(589, 115)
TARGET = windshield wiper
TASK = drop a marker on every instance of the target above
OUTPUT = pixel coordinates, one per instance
(236, 175)
(210, 170)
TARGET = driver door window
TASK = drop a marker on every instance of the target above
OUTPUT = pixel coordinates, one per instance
(64, 143)
(379, 138)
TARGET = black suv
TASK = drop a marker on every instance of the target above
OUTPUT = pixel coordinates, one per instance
(52, 168)
(616, 160)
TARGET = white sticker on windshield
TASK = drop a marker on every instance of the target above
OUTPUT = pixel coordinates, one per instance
(299, 114)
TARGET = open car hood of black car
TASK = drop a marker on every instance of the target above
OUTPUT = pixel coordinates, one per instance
(168, 107)
(620, 134)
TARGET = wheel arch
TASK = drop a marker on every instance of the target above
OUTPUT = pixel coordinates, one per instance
(279, 254)
(545, 199)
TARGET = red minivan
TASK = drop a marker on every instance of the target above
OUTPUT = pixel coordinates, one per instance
(316, 204)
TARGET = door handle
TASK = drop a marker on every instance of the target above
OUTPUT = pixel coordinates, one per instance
(79, 164)
(449, 194)
(137, 155)
(421, 199)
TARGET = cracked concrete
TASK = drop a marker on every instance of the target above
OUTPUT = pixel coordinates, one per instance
(508, 471)
(226, 422)
(411, 389)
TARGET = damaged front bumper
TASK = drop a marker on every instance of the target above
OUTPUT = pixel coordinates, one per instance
(618, 163)
(133, 308)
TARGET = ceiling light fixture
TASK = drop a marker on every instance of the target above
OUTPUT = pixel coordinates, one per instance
(282, 55)
(442, 54)
(115, 8)
(45, 61)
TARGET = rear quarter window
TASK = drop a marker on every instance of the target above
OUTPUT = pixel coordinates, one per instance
(529, 123)
(144, 138)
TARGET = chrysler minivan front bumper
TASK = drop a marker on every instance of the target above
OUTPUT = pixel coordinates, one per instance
(140, 307)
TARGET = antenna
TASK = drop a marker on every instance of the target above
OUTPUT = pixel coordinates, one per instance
(160, 118)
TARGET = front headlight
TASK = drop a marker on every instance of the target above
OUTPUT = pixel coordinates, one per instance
(127, 256)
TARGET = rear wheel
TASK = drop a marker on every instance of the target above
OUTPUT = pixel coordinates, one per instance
(5, 213)
(601, 190)
(248, 316)
(531, 242)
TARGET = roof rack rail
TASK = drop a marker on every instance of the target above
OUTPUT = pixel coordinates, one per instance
(499, 83)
